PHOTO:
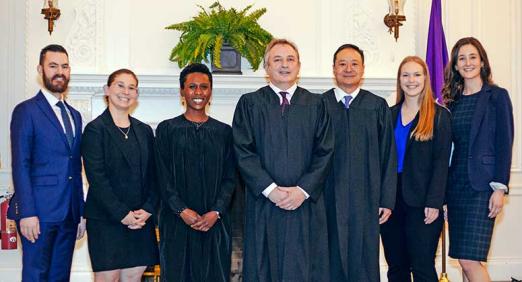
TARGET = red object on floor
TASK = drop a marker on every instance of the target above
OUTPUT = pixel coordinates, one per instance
(7, 229)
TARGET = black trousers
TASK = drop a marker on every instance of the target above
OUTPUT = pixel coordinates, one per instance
(410, 244)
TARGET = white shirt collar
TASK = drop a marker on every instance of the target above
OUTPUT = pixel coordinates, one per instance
(339, 94)
(51, 99)
(290, 90)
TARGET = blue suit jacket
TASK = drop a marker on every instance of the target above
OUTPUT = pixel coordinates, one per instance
(491, 139)
(46, 170)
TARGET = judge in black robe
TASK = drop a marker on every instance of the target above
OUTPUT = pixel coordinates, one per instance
(283, 146)
(197, 175)
(362, 182)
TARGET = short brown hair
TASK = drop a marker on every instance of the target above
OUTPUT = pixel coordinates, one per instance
(278, 41)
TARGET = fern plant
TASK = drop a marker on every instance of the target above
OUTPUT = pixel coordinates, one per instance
(206, 33)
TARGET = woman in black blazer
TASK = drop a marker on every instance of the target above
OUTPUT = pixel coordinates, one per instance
(482, 120)
(118, 156)
(423, 141)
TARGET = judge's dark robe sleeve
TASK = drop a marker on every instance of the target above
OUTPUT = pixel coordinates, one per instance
(94, 161)
(152, 203)
(388, 157)
(254, 174)
(229, 179)
(440, 158)
(165, 170)
(313, 180)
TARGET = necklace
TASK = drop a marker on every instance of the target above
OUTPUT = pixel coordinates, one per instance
(197, 124)
(126, 134)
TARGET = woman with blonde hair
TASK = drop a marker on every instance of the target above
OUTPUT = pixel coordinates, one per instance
(423, 141)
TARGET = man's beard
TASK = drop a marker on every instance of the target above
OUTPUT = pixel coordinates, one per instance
(59, 88)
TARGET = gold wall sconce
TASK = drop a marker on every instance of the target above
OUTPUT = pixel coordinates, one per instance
(393, 20)
(51, 13)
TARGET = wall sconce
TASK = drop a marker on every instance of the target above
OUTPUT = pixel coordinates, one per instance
(395, 16)
(51, 13)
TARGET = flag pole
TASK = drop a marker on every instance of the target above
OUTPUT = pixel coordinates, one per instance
(443, 275)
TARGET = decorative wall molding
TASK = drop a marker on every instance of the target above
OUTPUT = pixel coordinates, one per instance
(82, 42)
(362, 17)
(227, 84)
(159, 94)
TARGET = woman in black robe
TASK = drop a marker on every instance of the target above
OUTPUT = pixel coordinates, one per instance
(197, 174)
(118, 155)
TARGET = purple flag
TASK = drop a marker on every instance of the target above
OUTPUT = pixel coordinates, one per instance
(436, 51)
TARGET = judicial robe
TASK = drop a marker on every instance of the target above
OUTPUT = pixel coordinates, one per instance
(362, 179)
(290, 148)
(196, 170)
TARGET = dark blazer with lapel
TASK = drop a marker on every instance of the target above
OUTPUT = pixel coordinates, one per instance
(491, 138)
(106, 159)
(425, 166)
(46, 170)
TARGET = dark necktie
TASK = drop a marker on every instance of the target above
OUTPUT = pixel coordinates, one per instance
(66, 123)
(347, 99)
(285, 102)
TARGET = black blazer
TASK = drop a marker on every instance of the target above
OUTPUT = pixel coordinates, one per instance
(425, 166)
(112, 193)
(491, 138)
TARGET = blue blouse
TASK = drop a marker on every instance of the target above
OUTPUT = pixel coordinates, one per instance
(401, 139)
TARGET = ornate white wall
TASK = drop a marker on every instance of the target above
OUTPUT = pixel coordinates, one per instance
(103, 35)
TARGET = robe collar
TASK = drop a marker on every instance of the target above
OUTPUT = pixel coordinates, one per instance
(339, 94)
(290, 92)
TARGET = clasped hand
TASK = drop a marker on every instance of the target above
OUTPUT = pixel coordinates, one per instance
(136, 219)
(199, 222)
(287, 198)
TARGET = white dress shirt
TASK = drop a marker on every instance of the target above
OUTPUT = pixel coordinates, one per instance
(290, 92)
(52, 100)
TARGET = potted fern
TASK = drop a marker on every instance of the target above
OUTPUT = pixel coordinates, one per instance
(221, 34)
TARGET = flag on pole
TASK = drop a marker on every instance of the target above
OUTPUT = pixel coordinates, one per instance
(436, 51)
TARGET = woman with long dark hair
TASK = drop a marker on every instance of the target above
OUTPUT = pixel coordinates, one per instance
(482, 121)
(423, 140)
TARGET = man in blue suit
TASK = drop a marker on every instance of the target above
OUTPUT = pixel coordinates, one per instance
(48, 200)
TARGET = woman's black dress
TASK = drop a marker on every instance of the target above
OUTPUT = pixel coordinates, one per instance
(470, 228)
(120, 173)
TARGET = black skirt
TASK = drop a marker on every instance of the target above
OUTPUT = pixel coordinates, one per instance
(470, 228)
(115, 246)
